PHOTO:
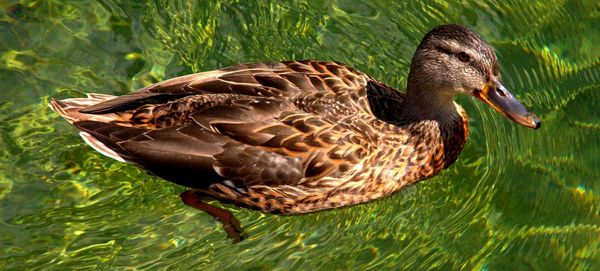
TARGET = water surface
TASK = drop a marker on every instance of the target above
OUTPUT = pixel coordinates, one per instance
(517, 199)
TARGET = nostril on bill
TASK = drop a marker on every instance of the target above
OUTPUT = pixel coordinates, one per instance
(501, 92)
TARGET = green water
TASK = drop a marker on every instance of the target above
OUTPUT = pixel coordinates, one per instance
(517, 199)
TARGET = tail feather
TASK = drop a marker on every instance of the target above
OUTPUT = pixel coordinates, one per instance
(100, 147)
(69, 109)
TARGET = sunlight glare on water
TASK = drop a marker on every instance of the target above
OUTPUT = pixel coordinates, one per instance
(516, 199)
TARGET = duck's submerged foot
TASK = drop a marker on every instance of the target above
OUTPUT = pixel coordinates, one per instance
(231, 225)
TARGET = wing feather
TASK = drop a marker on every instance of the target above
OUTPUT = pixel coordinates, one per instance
(272, 79)
(253, 124)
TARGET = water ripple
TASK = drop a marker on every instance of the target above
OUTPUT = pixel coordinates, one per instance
(515, 199)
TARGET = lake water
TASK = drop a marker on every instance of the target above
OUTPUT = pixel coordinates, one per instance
(517, 199)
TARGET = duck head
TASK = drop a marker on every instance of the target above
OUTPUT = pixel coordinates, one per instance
(453, 59)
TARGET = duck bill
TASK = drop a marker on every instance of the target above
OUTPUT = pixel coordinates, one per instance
(498, 97)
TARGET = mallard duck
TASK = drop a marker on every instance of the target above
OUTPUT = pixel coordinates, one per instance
(299, 136)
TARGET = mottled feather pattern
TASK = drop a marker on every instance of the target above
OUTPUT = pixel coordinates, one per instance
(281, 137)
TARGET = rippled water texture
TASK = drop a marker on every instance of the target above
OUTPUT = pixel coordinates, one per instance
(517, 199)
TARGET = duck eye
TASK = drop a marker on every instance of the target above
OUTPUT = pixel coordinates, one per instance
(464, 57)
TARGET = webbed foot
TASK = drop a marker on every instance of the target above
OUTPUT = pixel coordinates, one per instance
(231, 225)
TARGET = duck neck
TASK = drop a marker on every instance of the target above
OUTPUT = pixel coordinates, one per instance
(439, 106)
(430, 105)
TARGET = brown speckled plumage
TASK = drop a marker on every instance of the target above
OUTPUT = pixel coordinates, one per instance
(298, 136)
(283, 137)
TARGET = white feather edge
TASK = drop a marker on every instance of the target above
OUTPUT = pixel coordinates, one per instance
(94, 98)
(100, 147)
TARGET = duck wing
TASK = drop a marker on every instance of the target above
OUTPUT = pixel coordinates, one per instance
(278, 123)
(243, 140)
(270, 79)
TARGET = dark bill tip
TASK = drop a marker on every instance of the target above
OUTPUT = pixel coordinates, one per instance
(537, 123)
(499, 98)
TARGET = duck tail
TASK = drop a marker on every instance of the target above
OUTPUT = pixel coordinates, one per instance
(70, 109)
